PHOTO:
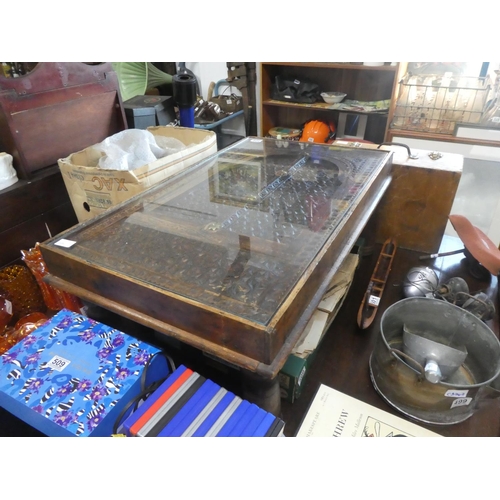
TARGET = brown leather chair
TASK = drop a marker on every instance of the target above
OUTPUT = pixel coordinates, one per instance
(479, 246)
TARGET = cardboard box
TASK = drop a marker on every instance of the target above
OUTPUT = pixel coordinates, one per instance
(74, 376)
(92, 190)
(143, 111)
(292, 377)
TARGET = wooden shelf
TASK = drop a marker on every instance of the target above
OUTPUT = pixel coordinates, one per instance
(359, 82)
(426, 136)
(336, 65)
(320, 106)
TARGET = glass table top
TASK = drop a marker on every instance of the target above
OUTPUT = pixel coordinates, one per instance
(235, 232)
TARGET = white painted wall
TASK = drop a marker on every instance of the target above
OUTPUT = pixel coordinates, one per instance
(207, 72)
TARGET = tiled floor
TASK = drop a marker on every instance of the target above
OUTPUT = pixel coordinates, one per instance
(478, 197)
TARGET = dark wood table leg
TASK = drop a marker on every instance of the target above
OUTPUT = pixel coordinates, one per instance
(264, 392)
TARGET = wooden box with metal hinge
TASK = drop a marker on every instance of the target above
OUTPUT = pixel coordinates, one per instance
(416, 207)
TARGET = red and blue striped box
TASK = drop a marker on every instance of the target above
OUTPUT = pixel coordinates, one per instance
(189, 405)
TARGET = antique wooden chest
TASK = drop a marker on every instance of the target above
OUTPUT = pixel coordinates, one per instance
(56, 109)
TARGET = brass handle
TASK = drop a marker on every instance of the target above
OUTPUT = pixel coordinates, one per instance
(412, 156)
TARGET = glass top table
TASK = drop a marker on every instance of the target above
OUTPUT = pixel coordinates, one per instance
(233, 250)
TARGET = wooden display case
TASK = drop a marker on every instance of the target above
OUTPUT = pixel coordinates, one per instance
(359, 82)
(233, 255)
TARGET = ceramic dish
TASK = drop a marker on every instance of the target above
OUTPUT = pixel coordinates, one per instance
(332, 97)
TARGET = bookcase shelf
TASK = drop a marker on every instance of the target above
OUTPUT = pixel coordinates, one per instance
(359, 82)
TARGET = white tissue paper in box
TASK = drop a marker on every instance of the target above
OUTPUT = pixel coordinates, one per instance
(93, 190)
(133, 148)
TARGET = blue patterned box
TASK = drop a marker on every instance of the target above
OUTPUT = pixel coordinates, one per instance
(73, 375)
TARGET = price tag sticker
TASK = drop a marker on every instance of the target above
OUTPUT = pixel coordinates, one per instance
(374, 301)
(461, 402)
(64, 243)
(457, 393)
(58, 363)
(8, 306)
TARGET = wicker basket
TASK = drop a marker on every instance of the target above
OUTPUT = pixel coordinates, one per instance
(436, 103)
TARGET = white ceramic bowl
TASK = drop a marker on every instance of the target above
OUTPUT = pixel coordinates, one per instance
(332, 97)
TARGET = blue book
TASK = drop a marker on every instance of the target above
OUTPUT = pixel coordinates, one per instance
(207, 424)
(204, 412)
(265, 425)
(235, 417)
(244, 420)
(224, 418)
(134, 417)
(276, 428)
(249, 430)
(190, 410)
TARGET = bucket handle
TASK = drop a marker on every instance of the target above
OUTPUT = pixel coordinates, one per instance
(402, 354)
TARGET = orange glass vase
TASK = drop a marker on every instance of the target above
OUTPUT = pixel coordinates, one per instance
(54, 298)
(22, 289)
(7, 340)
(6, 311)
(24, 326)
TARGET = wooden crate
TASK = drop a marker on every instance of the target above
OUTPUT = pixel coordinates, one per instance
(416, 207)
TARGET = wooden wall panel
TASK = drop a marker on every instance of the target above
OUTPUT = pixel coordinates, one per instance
(27, 209)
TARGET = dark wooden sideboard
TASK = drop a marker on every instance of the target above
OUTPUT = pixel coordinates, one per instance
(31, 211)
(52, 111)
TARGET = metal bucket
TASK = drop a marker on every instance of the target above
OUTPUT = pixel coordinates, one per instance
(401, 381)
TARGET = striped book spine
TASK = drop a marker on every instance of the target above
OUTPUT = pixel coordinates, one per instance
(170, 408)
(187, 404)
(185, 416)
(265, 425)
(137, 419)
(213, 417)
(226, 415)
(206, 414)
(249, 430)
(234, 419)
(244, 420)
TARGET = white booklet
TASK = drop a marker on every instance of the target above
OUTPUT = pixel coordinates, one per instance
(334, 414)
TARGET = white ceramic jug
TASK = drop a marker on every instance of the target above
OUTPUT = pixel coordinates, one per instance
(8, 175)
